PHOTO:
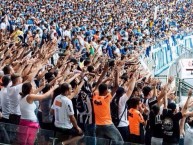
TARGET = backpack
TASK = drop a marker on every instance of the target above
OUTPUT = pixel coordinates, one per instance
(114, 110)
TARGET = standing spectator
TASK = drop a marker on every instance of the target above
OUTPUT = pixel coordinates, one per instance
(136, 122)
(103, 121)
(28, 116)
(155, 119)
(65, 122)
(123, 125)
(4, 100)
(85, 111)
(188, 139)
(171, 118)
(14, 97)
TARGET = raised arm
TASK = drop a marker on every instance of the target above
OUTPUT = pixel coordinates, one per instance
(182, 121)
(77, 90)
(35, 97)
(102, 76)
(131, 84)
(184, 110)
(116, 81)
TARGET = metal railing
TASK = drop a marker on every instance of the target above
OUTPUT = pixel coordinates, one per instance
(162, 78)
(181, 85)
(16, 134)
(182, 88)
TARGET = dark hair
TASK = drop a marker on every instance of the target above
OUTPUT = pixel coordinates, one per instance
(57, 92)
(144, 79)
(111, 63)
(49, 76)
(86, 62)
(64, 88)
(124, 76)
(90, 68)
(73, 60)
(190, 122)
(74, 84)
(155, 109)
(26, 88)
(135, 89)
(14, 77)
(7, 70)
(120, 91)
(46, 88)
(134, 102)
(172, 107)
(146, 90)
(102, 88)
(5, 81)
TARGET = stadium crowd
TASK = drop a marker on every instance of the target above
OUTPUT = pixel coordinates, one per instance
(74, 67)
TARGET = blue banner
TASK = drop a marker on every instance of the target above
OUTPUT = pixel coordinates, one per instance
(162, 54)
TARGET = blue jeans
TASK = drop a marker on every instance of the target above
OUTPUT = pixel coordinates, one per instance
(90, 130)
(108, 132)
(181, 142)
(89, 134)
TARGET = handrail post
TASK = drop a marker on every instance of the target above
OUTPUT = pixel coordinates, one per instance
(179, 90)
(53, 140)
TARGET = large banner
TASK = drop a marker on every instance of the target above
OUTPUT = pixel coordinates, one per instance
(162, 54)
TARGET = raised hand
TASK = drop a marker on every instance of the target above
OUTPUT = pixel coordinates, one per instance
(190, 93)
(136, 75)
(170, 80)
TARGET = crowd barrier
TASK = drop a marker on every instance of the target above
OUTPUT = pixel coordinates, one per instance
(11, 134)
(159, 56)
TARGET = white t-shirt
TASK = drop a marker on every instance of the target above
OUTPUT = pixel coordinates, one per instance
(63, 108)
(81, 40)
(14, 97)
(117, 51)
(5, 103)
(122, 102)
(67, 33)
(100, 52)
(40, 32)
(3, 26)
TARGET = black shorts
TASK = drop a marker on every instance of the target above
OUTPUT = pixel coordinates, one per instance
(65, 134)
(14, 119)
(136, 139)
(4, 120)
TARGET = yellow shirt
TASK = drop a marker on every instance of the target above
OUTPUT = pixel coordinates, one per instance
(16, 34)
(151, 24)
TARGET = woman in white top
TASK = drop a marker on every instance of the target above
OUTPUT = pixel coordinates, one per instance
(28, 116)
